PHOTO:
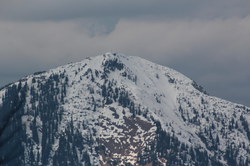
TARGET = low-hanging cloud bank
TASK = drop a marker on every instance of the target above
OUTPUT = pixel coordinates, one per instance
(40, 10)
(213, 52)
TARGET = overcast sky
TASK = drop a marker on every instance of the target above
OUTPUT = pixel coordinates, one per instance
(208, 41)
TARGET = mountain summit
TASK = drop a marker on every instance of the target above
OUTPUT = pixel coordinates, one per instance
(119, 110)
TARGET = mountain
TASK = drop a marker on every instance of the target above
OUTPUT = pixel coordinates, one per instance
(119, 110)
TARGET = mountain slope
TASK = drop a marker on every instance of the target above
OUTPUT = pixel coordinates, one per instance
(119, 110)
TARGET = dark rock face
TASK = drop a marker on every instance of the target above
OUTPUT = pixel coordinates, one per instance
(118, 110)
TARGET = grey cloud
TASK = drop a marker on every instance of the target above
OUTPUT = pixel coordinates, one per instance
(65, 9)
(214, 52)
(106, 14)
(70, 9)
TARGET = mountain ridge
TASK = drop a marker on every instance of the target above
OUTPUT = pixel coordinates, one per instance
(115, 110)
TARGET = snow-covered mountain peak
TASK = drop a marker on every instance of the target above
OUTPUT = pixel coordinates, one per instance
(122, 109)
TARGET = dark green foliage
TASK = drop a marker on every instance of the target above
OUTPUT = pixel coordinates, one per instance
(168, 146)
(11, 132)
(245, 125)
(112, 65)
(39, 72)
(199, 88)
(69, 143)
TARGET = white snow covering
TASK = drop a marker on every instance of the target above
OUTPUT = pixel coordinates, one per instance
(2, 92)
